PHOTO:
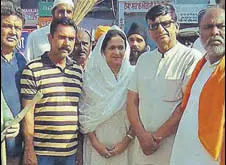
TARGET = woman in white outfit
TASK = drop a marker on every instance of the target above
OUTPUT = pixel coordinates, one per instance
(103, 116)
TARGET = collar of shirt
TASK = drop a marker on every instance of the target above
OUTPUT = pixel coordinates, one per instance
(214, 65)
(48, 62)
(171, 51)
(5, 60)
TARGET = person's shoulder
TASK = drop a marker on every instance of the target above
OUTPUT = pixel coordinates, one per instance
(187, 51)
(35, 63)
(76, 66)
(39, 31)
(147, 55)
(21, 60)
(20, 56)
(145, 59)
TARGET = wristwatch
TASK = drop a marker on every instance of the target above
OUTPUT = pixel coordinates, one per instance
(130, 136)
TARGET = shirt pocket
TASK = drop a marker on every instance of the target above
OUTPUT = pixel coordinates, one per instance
(172, 88)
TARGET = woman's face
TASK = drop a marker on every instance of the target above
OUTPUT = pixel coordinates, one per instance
(115, 51)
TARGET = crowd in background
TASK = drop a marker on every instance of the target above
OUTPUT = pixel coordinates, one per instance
(112, 101)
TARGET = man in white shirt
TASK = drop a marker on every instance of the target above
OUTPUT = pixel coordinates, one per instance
(204, 99)
(198, 44)
(156, 89)
(37, 42)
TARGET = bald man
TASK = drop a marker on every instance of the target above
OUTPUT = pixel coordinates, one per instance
(200, 136)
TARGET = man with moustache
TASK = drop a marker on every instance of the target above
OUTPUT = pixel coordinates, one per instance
(51, 129)
(12, 64)
(137, 39)
(37, 42)
(198, 44)
(157, 88)
(200, 138)
(82, 48)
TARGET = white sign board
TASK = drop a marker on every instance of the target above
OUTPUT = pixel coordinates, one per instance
(189, 13)
(136, 6)
(134, 11)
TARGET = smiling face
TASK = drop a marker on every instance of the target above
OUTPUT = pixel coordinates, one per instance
(11, 27)
(163, 32)
(212, 32)
(62, 41)
(115, 52)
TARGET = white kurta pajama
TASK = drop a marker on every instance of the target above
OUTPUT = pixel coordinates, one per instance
(37, 43)
(187, 149)
(159, 83)
(102, 107)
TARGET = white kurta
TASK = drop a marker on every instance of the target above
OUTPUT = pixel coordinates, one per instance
(159, 83)
(198, 45)
(102, 105)
(37, 43)
(109, 133)
(187, 149)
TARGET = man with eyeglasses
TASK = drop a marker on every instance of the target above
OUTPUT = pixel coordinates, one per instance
(157, 88)
(200, 138)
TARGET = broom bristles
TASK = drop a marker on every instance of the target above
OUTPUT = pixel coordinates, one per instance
(82, 7)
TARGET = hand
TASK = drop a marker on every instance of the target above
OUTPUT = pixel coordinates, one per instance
(102, 149)
(147, 143)
(30, 157)
(120, 147)
(156, 138)
(13, 131)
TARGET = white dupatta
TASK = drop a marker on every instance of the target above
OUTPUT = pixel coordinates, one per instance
(103, 95)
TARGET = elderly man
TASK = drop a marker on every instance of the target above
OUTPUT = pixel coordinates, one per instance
(156, 88)
(12, 64)
(51, 129)
(198, 44)
(37, 42)
(137, 39)
(83, 47)
(200, 135)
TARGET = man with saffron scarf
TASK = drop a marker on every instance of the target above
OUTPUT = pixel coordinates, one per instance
(200, 136)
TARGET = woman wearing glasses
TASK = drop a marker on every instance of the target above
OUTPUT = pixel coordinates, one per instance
(156, 89)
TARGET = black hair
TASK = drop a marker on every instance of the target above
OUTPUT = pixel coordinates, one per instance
(61, 21)
(110, 34)
(200, 15)
(159, 10)
(217, 1)
(7, 9)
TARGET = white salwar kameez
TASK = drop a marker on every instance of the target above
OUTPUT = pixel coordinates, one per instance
(102, 106)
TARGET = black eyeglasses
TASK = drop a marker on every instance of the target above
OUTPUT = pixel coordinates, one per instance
(165, 24)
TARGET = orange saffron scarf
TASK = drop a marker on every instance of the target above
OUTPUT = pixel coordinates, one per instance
(211, 119)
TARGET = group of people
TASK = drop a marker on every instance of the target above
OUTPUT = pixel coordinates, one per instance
(118, 103)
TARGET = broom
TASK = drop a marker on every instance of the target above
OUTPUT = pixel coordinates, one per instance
(82, 7)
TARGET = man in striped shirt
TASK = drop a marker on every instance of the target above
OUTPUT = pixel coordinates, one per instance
(51, 129)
